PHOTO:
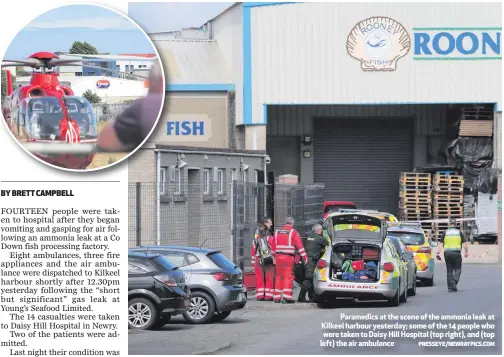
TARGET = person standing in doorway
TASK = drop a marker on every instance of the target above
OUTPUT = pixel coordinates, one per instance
(452, 242)
(286, 241)
(314, 246)
(263, 252)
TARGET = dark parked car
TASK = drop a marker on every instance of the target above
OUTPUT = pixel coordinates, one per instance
(156, 291)
(216, 283)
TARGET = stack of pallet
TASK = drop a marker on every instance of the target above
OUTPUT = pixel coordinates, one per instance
(448, 200)
(415, 198)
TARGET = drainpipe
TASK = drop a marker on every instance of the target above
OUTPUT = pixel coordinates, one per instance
(158, 197)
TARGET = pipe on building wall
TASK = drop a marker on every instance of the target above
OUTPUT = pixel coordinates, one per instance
(158, 197)
(209, 153)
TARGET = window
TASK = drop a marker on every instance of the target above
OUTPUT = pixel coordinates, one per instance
(221, 261)
(220, 182)
(132, 269)
(177, 259)
(244, 176)
(178, 182)
(191, 259)
(206, 181)
(162, 263)
(233, 175)
(162, 181)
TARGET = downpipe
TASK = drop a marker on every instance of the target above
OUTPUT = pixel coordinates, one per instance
(158, 197)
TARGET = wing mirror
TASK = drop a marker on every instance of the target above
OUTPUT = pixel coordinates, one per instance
(407, 256)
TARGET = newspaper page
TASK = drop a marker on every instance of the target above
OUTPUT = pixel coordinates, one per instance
(262, 178)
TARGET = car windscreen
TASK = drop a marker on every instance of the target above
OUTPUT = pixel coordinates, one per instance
(221, 261)
(337, 208)
(409, 238)
(162, 263)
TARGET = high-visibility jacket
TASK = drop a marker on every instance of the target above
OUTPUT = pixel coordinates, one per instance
(255, 252)
(287, 240)
(452, 239)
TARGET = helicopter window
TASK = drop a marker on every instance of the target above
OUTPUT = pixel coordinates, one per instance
(81, 111)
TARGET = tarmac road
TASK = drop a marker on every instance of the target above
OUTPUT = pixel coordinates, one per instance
(272, 329)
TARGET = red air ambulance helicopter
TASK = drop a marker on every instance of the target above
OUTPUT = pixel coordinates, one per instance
(47, 112)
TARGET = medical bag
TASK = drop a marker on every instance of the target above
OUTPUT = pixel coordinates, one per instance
(358, 265)
(347, 267)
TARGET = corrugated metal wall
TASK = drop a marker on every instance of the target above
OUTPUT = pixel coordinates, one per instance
(299, 56)
(291, 120)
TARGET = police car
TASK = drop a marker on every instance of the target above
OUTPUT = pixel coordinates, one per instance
(388, 217)
(361, 262)
(415, 239)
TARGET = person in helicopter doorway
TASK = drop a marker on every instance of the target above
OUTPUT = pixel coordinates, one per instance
(314, 246)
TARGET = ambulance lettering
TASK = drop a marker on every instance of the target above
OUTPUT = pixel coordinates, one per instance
(361, 286)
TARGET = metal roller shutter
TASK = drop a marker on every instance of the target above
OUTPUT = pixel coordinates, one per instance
(359, 160)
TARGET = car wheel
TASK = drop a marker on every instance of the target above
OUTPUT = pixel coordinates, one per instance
(429, 282)
(222, 316)
(412, 291)
(201, 310)
(404, 296)
(142, 315)
(395, 300)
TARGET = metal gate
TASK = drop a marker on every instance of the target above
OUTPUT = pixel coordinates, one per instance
(253, 201)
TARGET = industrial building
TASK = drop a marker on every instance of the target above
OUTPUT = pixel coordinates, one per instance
(343, 94)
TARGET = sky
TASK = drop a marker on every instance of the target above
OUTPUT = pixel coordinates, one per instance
(163, 17)
(57, 29)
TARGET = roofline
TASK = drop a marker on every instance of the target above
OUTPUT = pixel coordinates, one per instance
(202, 87)
(223, 12)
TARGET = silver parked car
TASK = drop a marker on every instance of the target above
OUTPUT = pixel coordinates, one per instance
(215, 282)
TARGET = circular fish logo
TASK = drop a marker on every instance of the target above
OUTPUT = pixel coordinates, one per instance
(103, 83)
(378, 43)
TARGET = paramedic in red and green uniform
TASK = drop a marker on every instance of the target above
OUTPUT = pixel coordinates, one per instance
(452, 242)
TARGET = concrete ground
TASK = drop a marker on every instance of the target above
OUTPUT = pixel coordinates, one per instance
(271, 329)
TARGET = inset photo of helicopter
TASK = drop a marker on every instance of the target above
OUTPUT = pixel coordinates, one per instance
(82, 87)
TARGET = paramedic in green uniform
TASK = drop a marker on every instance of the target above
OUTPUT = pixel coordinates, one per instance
(452, 242)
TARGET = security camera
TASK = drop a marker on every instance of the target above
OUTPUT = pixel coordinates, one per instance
(245, 167)
(267, 160)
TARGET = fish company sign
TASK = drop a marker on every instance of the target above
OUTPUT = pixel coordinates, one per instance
(380, 42)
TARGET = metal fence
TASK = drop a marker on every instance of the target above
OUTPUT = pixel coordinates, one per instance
(108, 111)
(222, 217)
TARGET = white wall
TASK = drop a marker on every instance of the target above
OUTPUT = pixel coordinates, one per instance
(136, 63)
(299, 55)
(118, 87)
(228, 32)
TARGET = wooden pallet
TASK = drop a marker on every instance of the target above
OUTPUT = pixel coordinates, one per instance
(416, 188)
(447, 196)
(416, 216)
(416, 174)
(437, 216)
(448, 189)
(479, 128)
(448, 200)
(447, 204)
(414, 208)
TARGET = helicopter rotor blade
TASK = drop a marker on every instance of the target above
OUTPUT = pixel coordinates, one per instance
(31, 62)
(61, 62)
